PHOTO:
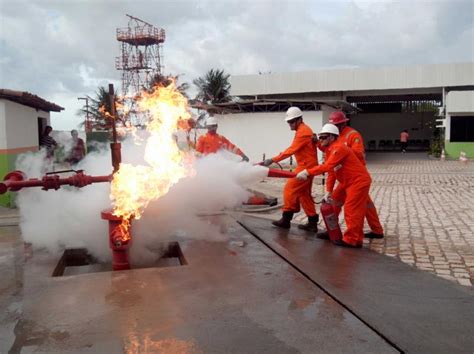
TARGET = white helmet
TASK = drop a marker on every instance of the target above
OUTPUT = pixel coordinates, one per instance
(211, 121)
(329, 129)
(292, 113)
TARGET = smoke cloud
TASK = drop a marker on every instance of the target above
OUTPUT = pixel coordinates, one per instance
(70, 217)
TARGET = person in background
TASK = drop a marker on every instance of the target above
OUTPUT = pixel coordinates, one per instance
(47, 142)
(352, 139)
(404, 140)
(212, 142)
(297, 193)
(78, 150)
(353, 183)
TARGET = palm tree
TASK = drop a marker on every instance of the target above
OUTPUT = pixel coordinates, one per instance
(214, 87)
(99, 110)
(164, 80)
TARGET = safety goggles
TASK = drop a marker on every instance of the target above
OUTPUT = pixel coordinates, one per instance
(323, 137)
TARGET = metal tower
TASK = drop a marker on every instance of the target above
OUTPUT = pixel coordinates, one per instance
(140, 54)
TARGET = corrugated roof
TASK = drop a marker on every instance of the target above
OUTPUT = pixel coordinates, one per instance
(30, 100)
(408, 78)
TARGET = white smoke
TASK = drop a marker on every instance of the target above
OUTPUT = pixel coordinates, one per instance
(70, 217)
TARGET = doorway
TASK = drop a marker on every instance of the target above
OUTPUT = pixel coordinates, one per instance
(42, 123)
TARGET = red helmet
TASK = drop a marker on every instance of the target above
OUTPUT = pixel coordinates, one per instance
(337, 117)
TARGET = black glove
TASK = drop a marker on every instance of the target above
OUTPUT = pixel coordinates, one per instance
(267, 162)
(315, 138)
(245, 158)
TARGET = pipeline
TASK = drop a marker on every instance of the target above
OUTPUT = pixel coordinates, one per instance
(16, 180)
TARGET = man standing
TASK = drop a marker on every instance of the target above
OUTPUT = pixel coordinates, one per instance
(352, 139)
(298, 192)
(47, 142)
(353, 187)
(213, 142)
(404, 140)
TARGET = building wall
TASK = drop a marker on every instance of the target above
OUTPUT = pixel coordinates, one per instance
(4, 164)
(22, 125)
(388, 126)
(18, 134)
(458, 103)
(453, 150)
(3, 130)
(263, 133)
(7, 164)
(355, 79)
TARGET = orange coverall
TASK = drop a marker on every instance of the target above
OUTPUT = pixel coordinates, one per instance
(353, 140)
(353, 188)
(211, 143)
(297, 192)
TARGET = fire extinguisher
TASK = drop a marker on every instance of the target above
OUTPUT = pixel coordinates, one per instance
(331, 221)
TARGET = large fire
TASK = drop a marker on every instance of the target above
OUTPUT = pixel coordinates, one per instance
(133, 187)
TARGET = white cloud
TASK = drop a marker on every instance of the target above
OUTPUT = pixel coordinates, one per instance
(63, 49)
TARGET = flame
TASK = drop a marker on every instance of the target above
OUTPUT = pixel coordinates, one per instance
(133, 187)
(104, 112)
(124, 228)
(186, 124)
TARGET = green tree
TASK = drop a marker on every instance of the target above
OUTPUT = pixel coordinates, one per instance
(99, 110)
(213, 87)
(165, 80)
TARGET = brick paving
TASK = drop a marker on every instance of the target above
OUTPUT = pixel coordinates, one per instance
(426, 207)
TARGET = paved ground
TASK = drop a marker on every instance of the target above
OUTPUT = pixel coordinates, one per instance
(9, 217)
(230, 297)
(426, 207)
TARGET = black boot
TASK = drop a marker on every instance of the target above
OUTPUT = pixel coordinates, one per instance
(323, 235)
(285, 221)
(372, 234)
(343, 243)
(312, 224)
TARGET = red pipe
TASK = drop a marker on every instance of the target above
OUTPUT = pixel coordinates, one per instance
(120, 239)
(9, 181)
(116, 151)
(15, 181)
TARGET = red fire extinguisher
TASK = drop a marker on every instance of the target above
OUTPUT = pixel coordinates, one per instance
(331, 221)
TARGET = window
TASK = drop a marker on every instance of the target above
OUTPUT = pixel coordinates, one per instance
(462, 129)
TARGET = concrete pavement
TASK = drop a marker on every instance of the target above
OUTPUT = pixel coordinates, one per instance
(234, 296)
(426, 208)
(425, 205)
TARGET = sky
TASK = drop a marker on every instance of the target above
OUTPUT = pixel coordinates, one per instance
(62, 50)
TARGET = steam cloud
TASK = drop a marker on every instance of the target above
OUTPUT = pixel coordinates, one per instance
(70, 217)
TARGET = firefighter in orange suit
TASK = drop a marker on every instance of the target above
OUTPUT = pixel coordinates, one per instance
(353, 140)
(296, 192)
(354, 183)
(213, 142)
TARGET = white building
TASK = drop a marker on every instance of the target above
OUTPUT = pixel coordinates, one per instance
(381, 103)
(23, 117)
